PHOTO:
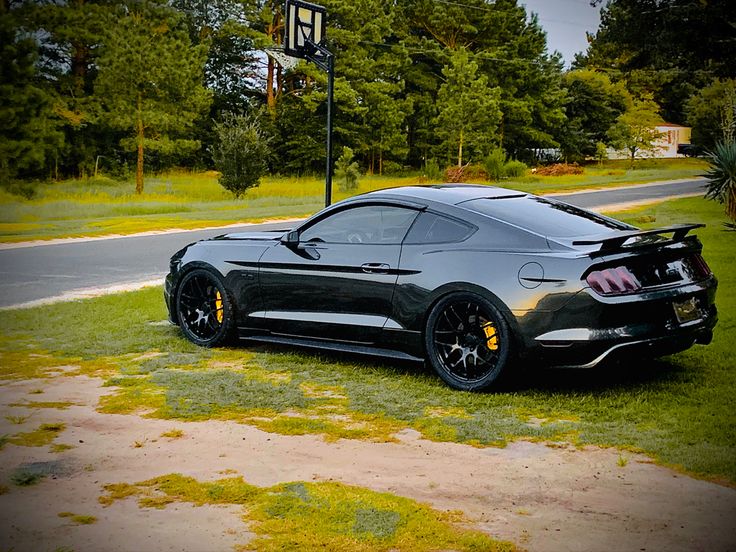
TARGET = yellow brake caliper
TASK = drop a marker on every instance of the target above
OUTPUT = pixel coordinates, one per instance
(218, 307)
(491, 336)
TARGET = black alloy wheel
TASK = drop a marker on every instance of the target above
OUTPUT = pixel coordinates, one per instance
(204, 308)
(467, 341)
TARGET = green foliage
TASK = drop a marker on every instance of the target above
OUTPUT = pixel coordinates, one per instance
(514, 169)
(26, 478)
(668, 49)
(240, 152)
(712, 113)
(635, 130)
(148, 49)
(432, 170)
(601, 152)
(30, 139)
(721, 177)
(494, 164)
(593, 105)
(468, 108)
(346, 171)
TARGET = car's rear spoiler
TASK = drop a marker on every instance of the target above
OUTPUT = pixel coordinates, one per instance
(611, 243)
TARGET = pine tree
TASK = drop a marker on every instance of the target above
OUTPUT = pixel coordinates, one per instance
(468, 109)
(29, 134)
(150, 80)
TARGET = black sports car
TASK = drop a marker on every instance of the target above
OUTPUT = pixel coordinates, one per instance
(467, 277)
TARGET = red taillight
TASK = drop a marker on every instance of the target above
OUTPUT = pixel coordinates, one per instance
(613, 281)
(701, 266)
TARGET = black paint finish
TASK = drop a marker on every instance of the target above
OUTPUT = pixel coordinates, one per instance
(373, 287)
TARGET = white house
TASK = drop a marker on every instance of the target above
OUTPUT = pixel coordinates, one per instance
(672, 136)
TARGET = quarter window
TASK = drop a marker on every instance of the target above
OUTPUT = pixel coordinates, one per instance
(433, 228)
(374, 224)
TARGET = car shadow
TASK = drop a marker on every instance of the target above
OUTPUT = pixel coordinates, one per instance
(392, 365)
(604, 378)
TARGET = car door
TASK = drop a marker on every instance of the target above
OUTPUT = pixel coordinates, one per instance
(337, 282)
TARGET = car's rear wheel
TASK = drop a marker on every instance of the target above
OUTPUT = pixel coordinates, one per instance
(204, 308)
(467, 341)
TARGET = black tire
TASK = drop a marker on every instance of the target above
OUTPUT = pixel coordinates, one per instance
(468, 341)
(204, 309)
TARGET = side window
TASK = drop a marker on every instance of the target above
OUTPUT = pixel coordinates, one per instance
(433, 228)
(374, 224)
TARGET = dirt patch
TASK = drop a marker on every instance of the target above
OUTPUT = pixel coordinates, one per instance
(542, 498)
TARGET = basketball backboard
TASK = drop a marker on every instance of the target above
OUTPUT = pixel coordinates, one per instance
(305, 27)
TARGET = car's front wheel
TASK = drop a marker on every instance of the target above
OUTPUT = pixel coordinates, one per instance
(467, 341)
(204, 308)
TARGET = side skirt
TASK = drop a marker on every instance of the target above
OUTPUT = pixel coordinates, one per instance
(331, 346)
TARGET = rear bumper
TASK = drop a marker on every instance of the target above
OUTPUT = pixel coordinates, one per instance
(634, 330)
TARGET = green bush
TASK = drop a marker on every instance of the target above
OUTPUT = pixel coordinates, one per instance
(240, 152)
(514, 169)
(432, 171)
(26, 190)
(494, 164)
(346, 171)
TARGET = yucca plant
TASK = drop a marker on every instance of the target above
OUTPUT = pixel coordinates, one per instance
(721, 177)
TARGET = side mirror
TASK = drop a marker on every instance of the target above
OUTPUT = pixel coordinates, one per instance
(290, 238)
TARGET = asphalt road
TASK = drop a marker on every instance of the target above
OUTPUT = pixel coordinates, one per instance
(40, 272)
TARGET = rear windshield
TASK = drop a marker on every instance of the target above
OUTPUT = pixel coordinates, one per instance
(545, 217)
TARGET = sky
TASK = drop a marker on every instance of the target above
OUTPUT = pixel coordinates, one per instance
(566, 22)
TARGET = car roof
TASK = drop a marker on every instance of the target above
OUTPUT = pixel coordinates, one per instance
(450, 194)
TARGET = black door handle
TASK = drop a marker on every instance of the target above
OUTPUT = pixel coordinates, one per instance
(375, 268)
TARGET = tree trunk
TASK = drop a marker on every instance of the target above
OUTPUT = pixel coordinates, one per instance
(139, 142)
(731, 204)
(380, 162)
(270, 98)
(460, 151)
(80, 54)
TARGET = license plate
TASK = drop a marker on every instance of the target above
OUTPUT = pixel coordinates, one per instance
(687, 311)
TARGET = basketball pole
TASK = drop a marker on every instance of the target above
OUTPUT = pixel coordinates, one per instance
(330, 92)
(325, 60)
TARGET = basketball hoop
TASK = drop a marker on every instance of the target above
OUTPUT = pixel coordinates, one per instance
(304, 37)
(279, 56)
(305, 28)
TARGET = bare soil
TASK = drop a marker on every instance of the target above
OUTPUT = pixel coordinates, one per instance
(541, 497)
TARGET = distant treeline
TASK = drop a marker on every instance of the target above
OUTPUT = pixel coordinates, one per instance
(99, 85)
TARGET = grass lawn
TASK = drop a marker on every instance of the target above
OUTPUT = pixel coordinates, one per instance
(194, 200)
(677, 409)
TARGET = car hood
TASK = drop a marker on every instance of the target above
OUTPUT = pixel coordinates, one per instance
(258, 236)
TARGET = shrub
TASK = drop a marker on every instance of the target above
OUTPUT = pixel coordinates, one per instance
(26, 190)
(494, 164)
(514, 169)
(432, 170)
(240, 152)
(346, 171)
(721, 176)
